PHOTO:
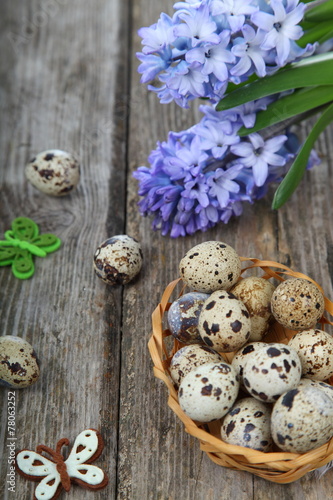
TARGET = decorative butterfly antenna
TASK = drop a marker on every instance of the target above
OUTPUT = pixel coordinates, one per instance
(59, 460)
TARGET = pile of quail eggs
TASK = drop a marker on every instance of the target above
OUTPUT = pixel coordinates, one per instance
(271, 395)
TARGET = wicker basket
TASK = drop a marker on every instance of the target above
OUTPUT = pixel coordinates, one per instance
(279, 467)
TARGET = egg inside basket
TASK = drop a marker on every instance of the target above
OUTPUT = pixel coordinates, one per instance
(277, 466)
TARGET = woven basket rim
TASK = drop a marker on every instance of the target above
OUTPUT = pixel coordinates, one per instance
(279, 467)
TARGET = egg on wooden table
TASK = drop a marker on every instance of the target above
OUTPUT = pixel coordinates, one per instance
(118, 260)
(19, 366)
(53, 172)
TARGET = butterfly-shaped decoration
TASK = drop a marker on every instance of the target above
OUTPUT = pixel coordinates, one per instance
(56, 473)
(22, 243)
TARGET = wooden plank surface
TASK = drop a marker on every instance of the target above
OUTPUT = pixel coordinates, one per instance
(69, 80)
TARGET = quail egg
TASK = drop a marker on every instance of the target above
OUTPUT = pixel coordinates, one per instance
(53, 172)
(190, 357)
(224, 322)
(19, 366)
(183, 317)
(118, 260)
(242, 356)
(248, 424)
(315, 350)
(210, 266)
(271, 371)
(208, 392)
(327, 388)
(302, 419)
(256, 294)
(297, 304)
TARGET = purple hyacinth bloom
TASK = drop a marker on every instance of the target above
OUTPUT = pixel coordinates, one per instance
(185, 80)
(217, 137)
(196, 189)
(259, 154)
(187, 161)
(234, 10)
(281, 27)
(157, 36)
(151, 65)
(198, 26)
(213, 58)
(221, 184)
(249, 52)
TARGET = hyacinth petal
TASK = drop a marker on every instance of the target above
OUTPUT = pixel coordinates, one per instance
(279, 10)
(242, 66)
(275, 143)
(259, 64)
(260, 171)
(271, 40)
(256, 140)
(220, 70)
(292, 32)
(236, 22)
(273, 159)
(195, 55)
(231, 186)
(296, 15)
(263, 20)
(282, 48)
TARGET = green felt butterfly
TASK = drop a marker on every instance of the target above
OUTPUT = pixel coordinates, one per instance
(22, 243)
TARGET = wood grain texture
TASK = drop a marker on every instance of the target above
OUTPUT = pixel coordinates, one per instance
(69, 80)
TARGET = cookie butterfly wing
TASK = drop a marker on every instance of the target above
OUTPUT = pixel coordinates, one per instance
(24, 229)
(32, 465)
(87, 447)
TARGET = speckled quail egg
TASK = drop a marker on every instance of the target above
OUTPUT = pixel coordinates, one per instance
(53, 172)
(327, 388)
(118, 260)
(256, 294)
(302, 419)
(248, 424)
(242, 356)
(315, 350)
(190, 357)
(208, 392)
(271, 371)
(224, 322)
(297, 304)
(183, 317)
(19, 366)
(210, 266)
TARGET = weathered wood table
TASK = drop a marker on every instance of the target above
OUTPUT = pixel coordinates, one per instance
(69, 80)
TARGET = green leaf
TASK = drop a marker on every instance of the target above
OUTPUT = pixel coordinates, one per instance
(295, 173)
(310, 72)
(319, 13)
(294, 104)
